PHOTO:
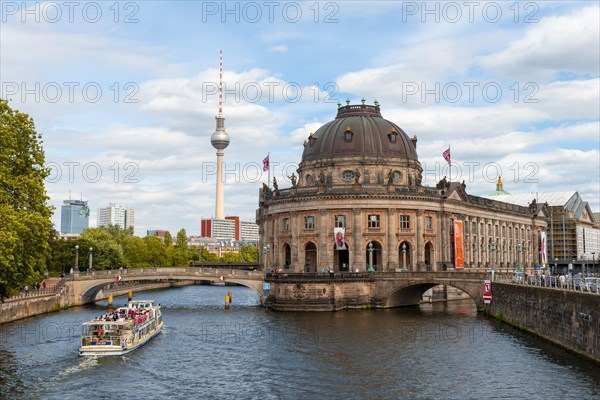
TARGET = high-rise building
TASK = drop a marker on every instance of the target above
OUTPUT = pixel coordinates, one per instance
(74, 216)
(230, 228)
(117, 215)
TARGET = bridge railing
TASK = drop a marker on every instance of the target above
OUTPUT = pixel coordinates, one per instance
(192, 272)
(444, 275)
(586, 285)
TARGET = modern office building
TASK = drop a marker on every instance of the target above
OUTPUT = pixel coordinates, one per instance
(74, 217)
(116, 215)
(230, 228)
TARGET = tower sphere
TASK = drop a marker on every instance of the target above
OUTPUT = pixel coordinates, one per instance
(220, 138)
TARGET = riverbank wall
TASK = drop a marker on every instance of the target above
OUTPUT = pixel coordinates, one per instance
(570, 319)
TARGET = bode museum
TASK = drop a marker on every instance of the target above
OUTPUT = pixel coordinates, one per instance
(358, 204)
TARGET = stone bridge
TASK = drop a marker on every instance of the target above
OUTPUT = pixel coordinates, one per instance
(326, 292)
(86, 286)
(304, 291)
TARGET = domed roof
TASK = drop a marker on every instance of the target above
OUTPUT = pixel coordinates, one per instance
(359, 130)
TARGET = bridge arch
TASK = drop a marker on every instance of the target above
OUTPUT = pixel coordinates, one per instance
(87, 286)
(406, 294)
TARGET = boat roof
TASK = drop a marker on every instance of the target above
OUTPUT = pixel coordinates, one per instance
(102, 322)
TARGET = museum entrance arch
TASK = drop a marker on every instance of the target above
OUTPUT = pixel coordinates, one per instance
(373, 256)
(341, 258)
(310, 257)
(405, 256)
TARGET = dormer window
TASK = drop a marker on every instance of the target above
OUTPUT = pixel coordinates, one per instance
(348, 135)
(393, 136)
(311, 139)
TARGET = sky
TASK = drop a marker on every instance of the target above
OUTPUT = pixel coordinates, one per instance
(125, 94)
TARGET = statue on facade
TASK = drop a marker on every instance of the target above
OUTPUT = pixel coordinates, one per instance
(356, 176)
(322, 177)
(266, 189)
(275, 187)
(419, 178)
(390, 178)
(293, 179)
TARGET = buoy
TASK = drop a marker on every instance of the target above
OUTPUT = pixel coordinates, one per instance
(230, 296)
(227, 301)
(130, 295)
(110, 300)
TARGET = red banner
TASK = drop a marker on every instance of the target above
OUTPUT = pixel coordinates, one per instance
(459, 252)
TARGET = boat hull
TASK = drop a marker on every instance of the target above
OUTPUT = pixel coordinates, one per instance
(112, 350)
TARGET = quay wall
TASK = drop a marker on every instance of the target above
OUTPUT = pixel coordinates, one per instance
(568, 318)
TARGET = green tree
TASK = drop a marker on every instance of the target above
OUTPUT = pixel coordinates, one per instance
(249, 253)
(107, 251)
(168, 239)
(181, 242)
(25, 225)
(231, 257)
(157, 251)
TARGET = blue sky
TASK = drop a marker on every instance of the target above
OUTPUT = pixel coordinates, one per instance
(123, 93)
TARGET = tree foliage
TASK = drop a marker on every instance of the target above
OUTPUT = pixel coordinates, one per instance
(168, 239)
(25, 223)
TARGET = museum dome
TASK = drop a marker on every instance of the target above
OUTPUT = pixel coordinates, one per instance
(359, 131)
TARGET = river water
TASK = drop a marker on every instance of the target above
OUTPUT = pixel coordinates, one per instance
(205, 352)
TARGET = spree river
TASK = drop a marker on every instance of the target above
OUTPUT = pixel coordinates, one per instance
(205, 352)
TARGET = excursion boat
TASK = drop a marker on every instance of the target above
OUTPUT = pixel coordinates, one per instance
(122, 330)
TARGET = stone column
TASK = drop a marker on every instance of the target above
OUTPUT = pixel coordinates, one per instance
(276, 250)
(323, 260)
(392, 254)
(357, 250)
(419, 247)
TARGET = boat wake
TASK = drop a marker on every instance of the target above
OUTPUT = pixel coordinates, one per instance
(83, 365)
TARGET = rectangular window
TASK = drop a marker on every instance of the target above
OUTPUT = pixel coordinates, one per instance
(340, 221)
(286, 224)
(474, 228)
(309, 222)
(373, 221)
(405, 222)
(428, 222)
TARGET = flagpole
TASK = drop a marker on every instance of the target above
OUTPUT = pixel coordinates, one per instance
(269, 169)
(450, 165)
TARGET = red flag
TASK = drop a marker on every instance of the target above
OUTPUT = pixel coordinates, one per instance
(266, 163)
(446, 155)
(222, 278)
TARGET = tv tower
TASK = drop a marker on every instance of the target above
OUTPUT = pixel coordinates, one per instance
(220, 141)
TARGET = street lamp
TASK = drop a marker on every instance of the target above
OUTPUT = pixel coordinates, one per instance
(593, 261)
(555, 266)
(90, 250)
(76, 258)
(266, 250)
(370, 250)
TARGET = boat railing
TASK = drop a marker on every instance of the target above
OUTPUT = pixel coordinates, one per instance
(102, 341)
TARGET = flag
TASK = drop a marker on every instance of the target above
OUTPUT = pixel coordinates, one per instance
(117, 278)
(446, 155)
(266, 163)
(222, 278)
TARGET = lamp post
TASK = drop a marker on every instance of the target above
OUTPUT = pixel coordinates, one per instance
(593, 261)
(266, 250)
(90, 250)
(370, 250)
(555, 266)
(404, 257)
(76, 258)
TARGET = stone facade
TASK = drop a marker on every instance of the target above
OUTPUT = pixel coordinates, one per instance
(361, 172)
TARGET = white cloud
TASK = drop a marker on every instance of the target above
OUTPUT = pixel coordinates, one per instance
(282, 48)
(558, 43)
